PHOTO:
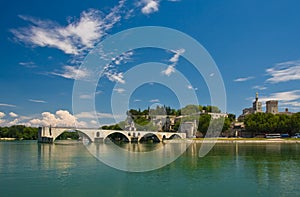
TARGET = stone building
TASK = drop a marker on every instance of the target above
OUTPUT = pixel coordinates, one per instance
(257, 106)
(272, 107)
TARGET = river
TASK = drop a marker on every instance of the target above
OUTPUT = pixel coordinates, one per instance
(67, 168)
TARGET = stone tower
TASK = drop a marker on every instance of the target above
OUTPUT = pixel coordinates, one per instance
(257, 106)
(272, 106)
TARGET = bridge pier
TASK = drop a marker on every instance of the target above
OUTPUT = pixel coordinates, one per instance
(99, 140)
(42, 135)
(45, 140)
(49, 134)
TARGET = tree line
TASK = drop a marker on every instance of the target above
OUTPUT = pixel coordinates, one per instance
(19, 132)
(261, 123)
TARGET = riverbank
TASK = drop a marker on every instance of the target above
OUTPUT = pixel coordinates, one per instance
(245, 140)
(7, 139)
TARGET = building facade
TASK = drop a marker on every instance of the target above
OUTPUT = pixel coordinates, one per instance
(257, 106)
(272, 107)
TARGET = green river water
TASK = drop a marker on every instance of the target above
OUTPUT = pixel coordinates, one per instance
(68, 169)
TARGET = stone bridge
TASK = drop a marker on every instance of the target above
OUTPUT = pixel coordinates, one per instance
(49, 134)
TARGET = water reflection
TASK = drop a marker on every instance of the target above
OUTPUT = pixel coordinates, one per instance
(137, 157)
(235, 169)
(268, 166)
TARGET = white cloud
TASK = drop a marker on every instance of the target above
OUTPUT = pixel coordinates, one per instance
(154, 101)
(115, 76)
(176, 56)
(12, 114)
(73, 72)
(174, 60)
(137, 100)
(190, 87)
(259, 87)
(2, 114)
(74, 38)
(119, 90)
(110, 70)
(293, 103)
(36, 101)
(28, 64)
(150, 6)
(123, 58)
(170, 69)
(285, 71)
(90, 115)
(93, 122)
(86, 96)
(283, 96)
(7, 105)
(12, 119)
(60, 118)
(242, 79)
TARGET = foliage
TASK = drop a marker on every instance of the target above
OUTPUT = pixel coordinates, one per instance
(68, 135)
(19, 132)
(270, 123)
(143, 119)
(111, 127)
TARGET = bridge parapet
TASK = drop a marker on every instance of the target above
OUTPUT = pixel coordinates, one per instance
(49, 134)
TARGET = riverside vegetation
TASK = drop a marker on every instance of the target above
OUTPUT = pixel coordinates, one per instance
(258, 123)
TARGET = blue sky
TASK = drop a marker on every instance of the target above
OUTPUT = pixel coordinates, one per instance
(255, 45)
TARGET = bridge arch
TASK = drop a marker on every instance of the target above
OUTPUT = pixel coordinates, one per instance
(57, 132)
(148, 134)
(117, 132)
(174, 136)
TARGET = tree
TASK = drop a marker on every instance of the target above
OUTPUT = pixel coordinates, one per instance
(203, 124)
(19, 132)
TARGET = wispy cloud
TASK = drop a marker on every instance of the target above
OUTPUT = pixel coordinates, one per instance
(176, 55)
(259, 87)
(119, 90)
(7, 105)
(72, 72)
(76, 37)
(149, 6)
(242, 79)
(86, 96)
(283, 72)
(282, 96)
(137, 100)
(154, 101)
(190, 87)
(28, 64)
(290, 99)
(36, 101)
(123, 58)
(173, 60)
(170, 69)
(111, 71)
(90, 115)
(115, 76)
